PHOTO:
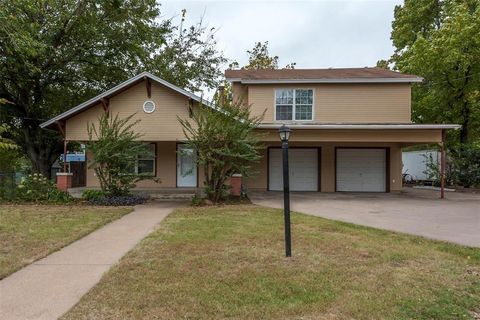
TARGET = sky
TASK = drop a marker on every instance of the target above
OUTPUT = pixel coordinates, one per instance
(314, 34)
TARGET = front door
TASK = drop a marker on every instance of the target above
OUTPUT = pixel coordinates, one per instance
(186, 167)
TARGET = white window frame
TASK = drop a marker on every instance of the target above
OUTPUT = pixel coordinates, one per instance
(154, 106)
(293, 105)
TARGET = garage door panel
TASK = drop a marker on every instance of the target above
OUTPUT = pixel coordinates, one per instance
(303, 165)
(361, 170)
(275, 169)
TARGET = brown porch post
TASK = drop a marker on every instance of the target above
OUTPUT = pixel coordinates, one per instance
(442, 167)
(65, 142)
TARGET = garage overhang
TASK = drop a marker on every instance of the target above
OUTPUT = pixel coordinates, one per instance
(397, 133)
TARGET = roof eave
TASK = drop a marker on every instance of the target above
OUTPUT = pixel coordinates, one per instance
(362, 126)
(339, 80)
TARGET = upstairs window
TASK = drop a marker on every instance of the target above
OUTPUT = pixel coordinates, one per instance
(293, 104)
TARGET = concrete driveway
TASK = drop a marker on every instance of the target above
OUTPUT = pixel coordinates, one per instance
(419, 212)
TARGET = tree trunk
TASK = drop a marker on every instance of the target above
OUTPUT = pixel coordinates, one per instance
(465, 111)
(41, 147)
(40, 165)
(464, 131)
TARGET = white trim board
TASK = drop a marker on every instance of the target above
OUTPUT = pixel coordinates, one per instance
(333, 80)
(359, 126)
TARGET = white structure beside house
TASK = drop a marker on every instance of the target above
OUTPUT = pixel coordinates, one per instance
(415, 163)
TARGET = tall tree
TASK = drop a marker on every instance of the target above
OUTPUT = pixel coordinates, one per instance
(55, 54)
(260, 58)
(439, 40)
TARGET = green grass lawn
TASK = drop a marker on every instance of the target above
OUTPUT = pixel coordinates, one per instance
(30, 232)
(227, 262)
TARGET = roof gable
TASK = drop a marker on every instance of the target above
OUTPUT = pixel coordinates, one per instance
(116, 90)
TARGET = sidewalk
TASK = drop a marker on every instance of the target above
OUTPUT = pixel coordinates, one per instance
(49, 287)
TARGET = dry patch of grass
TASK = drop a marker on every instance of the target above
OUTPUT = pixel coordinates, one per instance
(30, 232)
(227, 262)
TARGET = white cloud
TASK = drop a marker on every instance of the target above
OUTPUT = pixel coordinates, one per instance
(315, 34)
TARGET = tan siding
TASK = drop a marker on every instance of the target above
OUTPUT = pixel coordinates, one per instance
(334, 103)
(165, 164)
(396, 167)
(240, 92)
(76, 127)
(261, 99)
(343, 103)
(161, 125)
(260, 180)
(404, 136)
(327, 168)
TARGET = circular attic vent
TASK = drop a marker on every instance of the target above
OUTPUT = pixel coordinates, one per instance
(149, 106)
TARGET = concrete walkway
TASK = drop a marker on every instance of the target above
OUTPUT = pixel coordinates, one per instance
(420, 212)
(49, 287)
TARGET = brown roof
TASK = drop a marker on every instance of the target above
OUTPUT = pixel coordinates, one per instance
(316, 74)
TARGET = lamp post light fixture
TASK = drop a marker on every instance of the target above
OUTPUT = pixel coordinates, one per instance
(284, 132)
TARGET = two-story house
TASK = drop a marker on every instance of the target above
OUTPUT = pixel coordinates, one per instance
(348, 127)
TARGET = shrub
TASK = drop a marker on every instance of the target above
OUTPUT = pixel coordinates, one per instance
(197, 201)
(462, 166)
(36, 188)
(33, 187)
(466, 164)
(129, 200)
(7, 187)
(58, 196)
(115, 149)
(92, 194)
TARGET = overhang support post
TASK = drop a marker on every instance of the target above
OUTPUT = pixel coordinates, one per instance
(61, 127)
(65, 142)
(442, 166)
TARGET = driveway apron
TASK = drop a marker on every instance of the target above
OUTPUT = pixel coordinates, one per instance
(419, 212)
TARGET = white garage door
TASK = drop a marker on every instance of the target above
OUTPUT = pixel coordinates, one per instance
(303, 165)
(361, 170)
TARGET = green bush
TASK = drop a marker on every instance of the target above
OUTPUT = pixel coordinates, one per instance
(115, 149)
(36, 188)
(92, 194)
(197, 201)
(466, 164)
(58, 196)
(33, 187)
(7, 187)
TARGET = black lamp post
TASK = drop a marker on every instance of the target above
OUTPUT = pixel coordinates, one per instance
(284, 132)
